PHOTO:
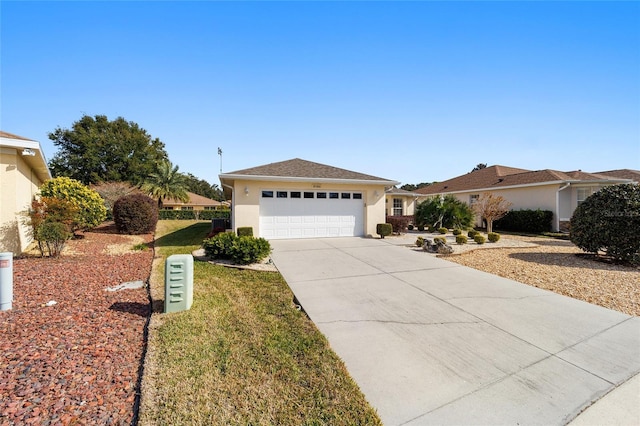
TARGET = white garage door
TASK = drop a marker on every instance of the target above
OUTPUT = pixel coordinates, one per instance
(311, 214)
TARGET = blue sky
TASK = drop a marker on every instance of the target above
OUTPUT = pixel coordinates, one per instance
(409, 91)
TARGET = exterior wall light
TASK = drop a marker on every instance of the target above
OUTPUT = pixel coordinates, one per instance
(246, 190)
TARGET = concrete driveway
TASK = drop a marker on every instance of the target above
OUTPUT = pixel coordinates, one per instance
(432, 342)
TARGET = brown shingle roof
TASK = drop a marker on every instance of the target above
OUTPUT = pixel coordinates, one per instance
(500, 176)
(12, 136)
(623, 174)
(298, 168)
(194, 200)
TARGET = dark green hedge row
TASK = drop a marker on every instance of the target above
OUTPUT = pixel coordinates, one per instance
(535, 221)
(193, 214)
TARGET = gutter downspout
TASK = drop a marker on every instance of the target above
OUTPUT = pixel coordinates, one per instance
(233, 205)
(568, 184)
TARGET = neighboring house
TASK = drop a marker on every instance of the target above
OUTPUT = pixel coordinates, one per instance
(559, 192)
(23, 168)
(196, 202)
(302, 199)
(400, 202)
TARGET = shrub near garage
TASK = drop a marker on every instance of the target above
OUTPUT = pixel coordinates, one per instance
(609, 221)
(242, 250)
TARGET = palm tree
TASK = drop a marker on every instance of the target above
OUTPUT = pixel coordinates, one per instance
(166, 182)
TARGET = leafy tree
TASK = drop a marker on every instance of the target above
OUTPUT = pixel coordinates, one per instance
(412, 187)
(90, 206)
(609, 221)
(112, 191)
(479, 166)
(491, 208)
(97, 150)
(202, 187)
(448, 212)
(166, 182)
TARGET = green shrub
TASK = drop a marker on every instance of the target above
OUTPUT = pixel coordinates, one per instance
(479, 239)
(419, 241)
(609, 221)
(52, 237)
(135, 214)
(493, 237)
(245, 231)
(242, 250)
(246, 250)
(461, 239)
(453, 212)
(384, 229)
(89, 204)
(193, 214)
(219, 246)
(472, 233)
(441, 239)
(534, 221)
(443, 230)
(457, 231)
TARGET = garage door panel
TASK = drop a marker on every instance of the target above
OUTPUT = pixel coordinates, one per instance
(310, 218)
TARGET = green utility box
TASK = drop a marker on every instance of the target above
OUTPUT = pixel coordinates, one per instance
(178, 283)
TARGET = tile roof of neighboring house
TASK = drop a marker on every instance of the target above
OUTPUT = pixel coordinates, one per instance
(623, 174)
(500, 176)
(12, 136)
(399, 191)
(194, 200)
(303, 169)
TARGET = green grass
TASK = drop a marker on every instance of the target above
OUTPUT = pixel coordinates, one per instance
(242, 354)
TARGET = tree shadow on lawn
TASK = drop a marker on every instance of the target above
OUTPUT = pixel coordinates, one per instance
(571, 260)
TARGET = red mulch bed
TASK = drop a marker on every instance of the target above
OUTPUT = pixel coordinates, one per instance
(76, 362)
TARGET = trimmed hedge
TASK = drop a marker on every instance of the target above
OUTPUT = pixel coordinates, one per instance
(193, 214)
(242, 250)
(609, 221)
(384, 229)
(135, 214)
(245, 231)
(535, 221)
(479, 239)
(493, 237)
(461, 239)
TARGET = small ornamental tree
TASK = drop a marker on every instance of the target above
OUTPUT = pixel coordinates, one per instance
(51, 221)
(609, 221)
(111, 191)
(491, 207)
(90, 206)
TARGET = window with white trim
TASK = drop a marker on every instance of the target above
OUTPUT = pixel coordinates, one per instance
(583, 193)
(397, 206)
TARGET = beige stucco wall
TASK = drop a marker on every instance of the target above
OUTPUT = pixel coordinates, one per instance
(18, 185)
(246, 206)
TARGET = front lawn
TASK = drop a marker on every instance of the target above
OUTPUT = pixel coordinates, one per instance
(242, 354)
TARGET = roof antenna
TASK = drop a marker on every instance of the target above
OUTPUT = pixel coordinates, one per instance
(220, 154)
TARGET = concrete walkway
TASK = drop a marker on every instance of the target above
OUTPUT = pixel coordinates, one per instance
(432, 342)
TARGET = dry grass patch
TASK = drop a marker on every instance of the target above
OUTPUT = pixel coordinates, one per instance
(243, 355)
